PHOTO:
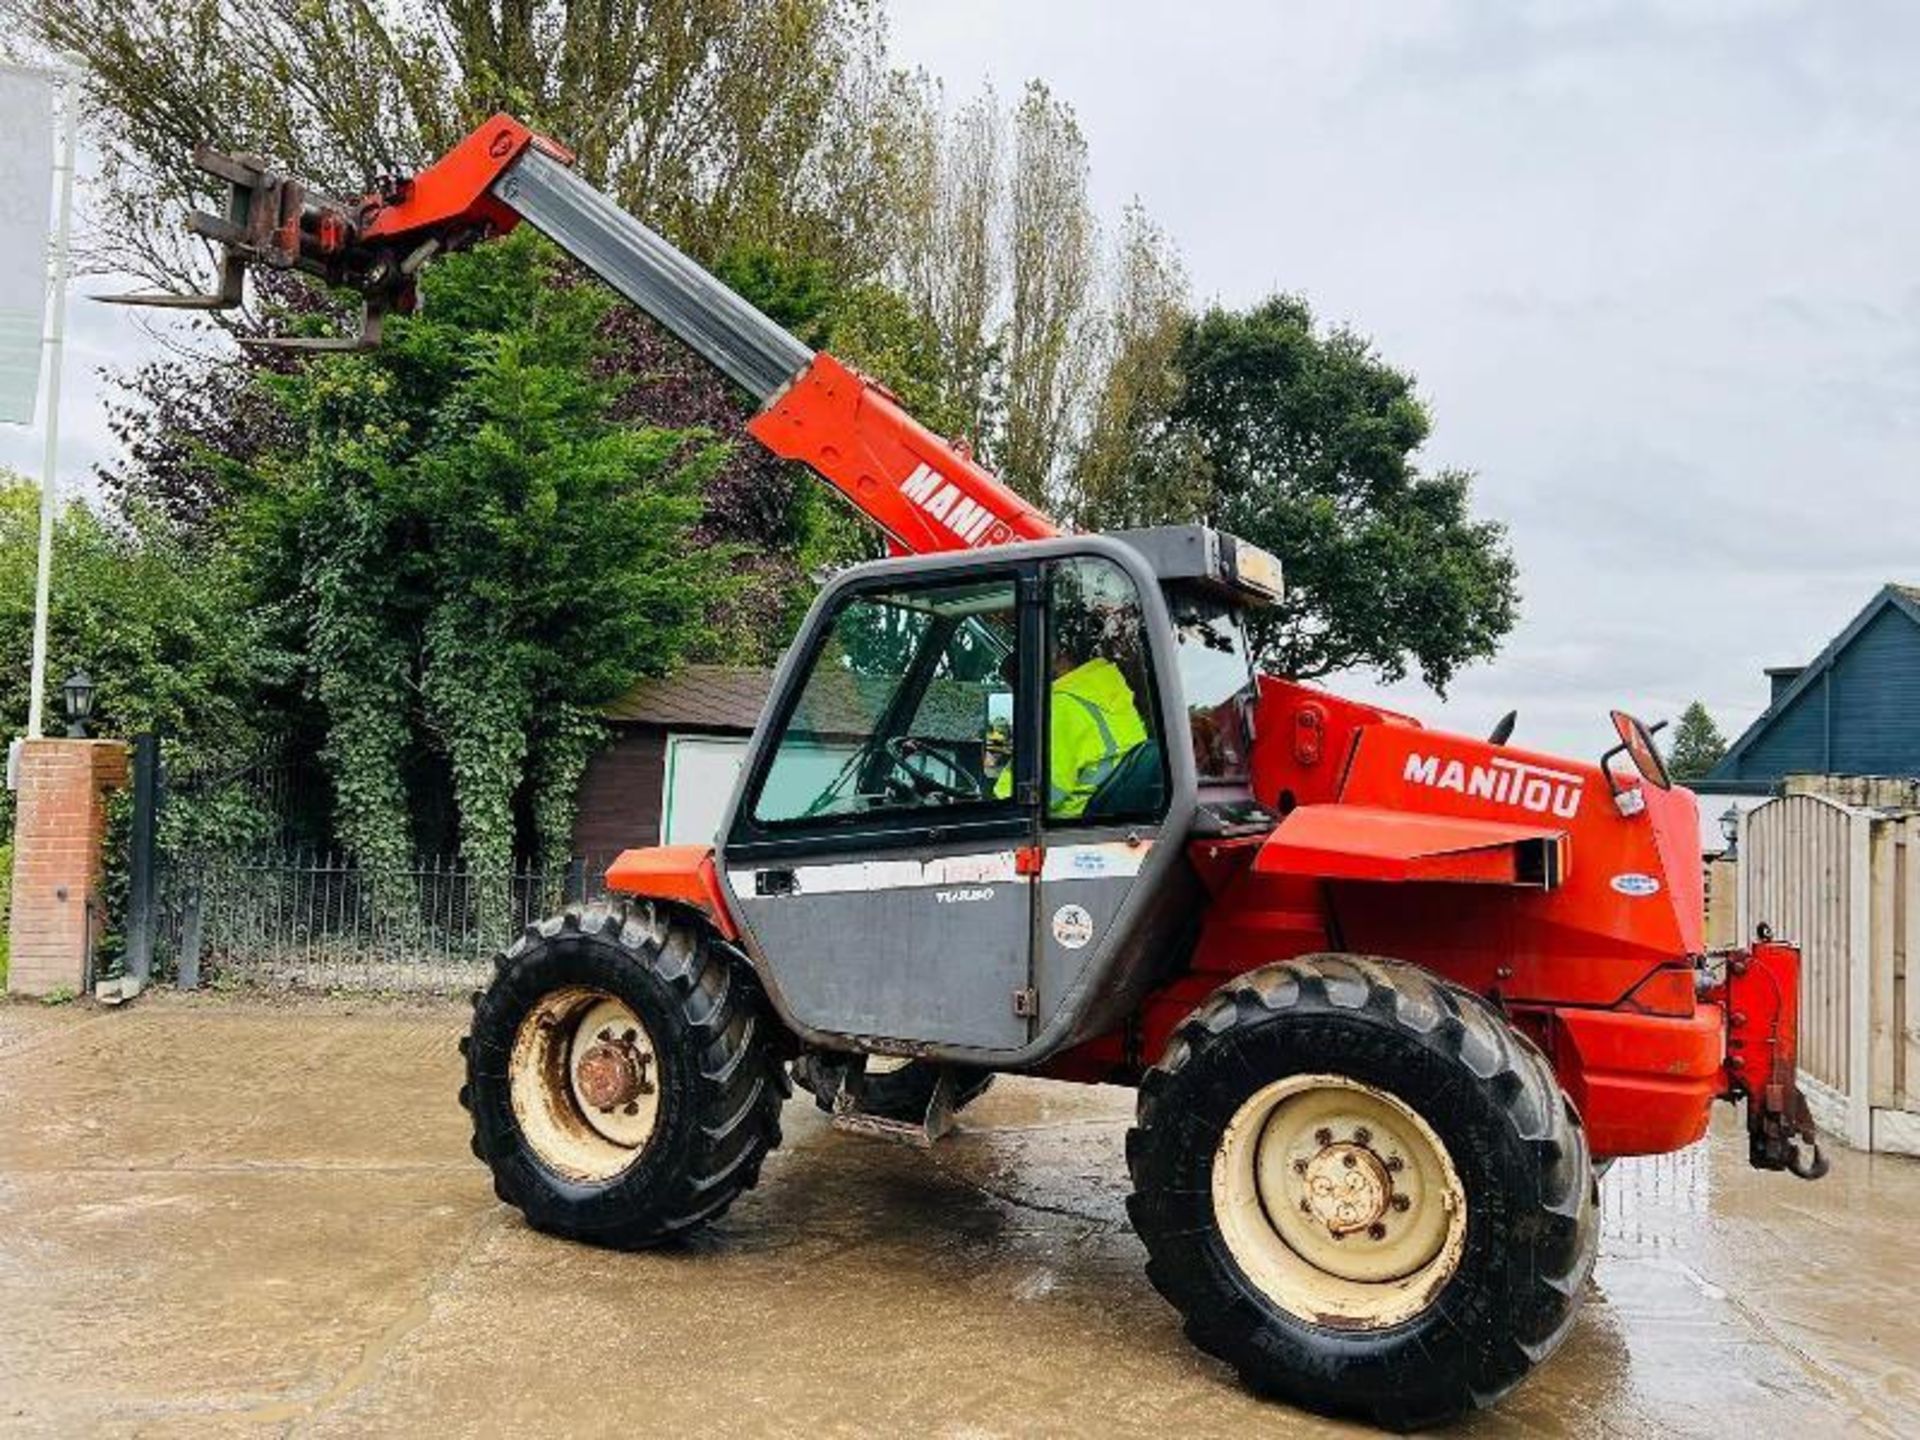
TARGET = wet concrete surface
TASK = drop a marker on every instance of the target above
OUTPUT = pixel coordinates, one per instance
(223, 1216)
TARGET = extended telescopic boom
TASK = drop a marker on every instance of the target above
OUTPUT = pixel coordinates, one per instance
(924, 492)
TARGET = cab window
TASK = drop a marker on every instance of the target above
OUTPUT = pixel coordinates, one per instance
(1217, 676)
(1103, 756)
(908, 706)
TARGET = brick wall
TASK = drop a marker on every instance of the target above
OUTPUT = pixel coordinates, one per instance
(59, 829)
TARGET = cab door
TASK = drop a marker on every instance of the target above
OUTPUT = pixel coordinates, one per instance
(876, 857)
(1106, 764)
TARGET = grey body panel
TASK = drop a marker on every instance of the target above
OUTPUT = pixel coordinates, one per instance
(1081, 992)
(928, 949)
(752, 348)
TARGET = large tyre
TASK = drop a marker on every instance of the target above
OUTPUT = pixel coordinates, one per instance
(895, 1090)
(1362, 1190)
(621, 1076)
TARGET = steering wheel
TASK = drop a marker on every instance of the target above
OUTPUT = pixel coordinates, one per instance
(910, 754)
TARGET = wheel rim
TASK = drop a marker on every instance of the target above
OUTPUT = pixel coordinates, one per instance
(585, 1083)
(1338, 1202)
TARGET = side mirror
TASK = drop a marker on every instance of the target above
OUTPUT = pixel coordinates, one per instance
(1636, 741)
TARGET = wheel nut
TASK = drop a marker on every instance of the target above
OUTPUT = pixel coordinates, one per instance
(1323, 1136)
(1362, 1135)
(1376, 1231)
(1348, 1160)
(1306, 1207)
(633, 1107)
(630, 1036)
(1299, 1167)
(1401, 1202)
(1395, 1163)
(606, 1033)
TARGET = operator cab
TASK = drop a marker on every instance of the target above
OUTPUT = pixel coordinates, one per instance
(964, 804)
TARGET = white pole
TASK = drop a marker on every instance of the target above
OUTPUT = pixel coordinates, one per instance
(50, 465)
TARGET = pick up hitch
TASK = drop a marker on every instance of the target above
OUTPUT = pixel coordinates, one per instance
(1760, 991)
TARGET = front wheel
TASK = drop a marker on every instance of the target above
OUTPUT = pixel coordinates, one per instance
(1363, 1190)
(622, 1080)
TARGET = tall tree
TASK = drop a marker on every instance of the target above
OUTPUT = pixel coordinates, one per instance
(1698, 744)
(473, 553)
(1303, 441)
(999, 252)
(1052, 237)
(722, 121)
(1130, 467)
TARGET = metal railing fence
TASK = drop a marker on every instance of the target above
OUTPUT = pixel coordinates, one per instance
(323, 921)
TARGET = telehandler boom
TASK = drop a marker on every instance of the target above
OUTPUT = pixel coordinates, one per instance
(1020, 801)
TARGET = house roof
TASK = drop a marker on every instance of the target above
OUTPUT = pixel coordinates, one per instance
(1904, 598)
(711, 697)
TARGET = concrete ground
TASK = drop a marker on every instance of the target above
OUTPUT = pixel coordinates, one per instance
(228, 1216)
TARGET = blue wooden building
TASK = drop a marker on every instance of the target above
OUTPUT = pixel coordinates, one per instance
(1855, 710)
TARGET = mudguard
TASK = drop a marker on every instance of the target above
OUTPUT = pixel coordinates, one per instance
(1369, 842)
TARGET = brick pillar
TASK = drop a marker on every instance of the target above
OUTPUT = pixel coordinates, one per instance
(59, 830)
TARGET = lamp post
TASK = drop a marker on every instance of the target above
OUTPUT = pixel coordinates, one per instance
(1730, 831)
(78, 691)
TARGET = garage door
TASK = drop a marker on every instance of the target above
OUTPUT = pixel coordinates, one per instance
(701, 770)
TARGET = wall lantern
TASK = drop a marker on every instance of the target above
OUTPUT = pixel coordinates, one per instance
(1730, 831)
(79, 696)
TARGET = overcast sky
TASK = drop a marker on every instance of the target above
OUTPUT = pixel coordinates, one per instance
(1656, 267)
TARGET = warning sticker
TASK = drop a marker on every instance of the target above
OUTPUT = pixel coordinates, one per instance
(1072, 926)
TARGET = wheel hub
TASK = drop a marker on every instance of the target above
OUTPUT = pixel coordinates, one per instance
(585, 1083)
(1338, 1201)
(611, 1073)
(1347, 1188)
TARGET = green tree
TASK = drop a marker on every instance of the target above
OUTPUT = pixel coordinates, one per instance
(474, 552)
(1698, 744)
(1303, 441)
(162, 626)
(721, 121)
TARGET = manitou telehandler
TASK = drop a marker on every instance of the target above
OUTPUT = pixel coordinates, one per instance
(1020, 802)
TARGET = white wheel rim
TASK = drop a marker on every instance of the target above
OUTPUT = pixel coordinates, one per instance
(585, 1083)
(1338, 1202)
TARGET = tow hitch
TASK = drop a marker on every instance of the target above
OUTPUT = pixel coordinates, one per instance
(1760, 992)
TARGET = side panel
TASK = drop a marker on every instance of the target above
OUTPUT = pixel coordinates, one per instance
(1084, 880)
(929, 948)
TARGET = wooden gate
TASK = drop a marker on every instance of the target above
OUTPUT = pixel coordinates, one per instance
(1843, 882)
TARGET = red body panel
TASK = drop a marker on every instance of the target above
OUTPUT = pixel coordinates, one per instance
(923, 491)
(1401, 841)
(456, 190)
(678, 875)
(1369, 842)
(1643, 1084)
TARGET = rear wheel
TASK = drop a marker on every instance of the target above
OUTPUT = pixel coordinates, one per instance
(1363, 1190)
(620, 1076)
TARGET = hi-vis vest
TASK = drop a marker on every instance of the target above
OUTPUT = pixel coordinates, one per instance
(1094, 723)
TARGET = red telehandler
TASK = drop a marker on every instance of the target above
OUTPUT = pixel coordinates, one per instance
(1019, 801)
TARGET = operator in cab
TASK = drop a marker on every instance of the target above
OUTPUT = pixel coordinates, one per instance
(1094, 723)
